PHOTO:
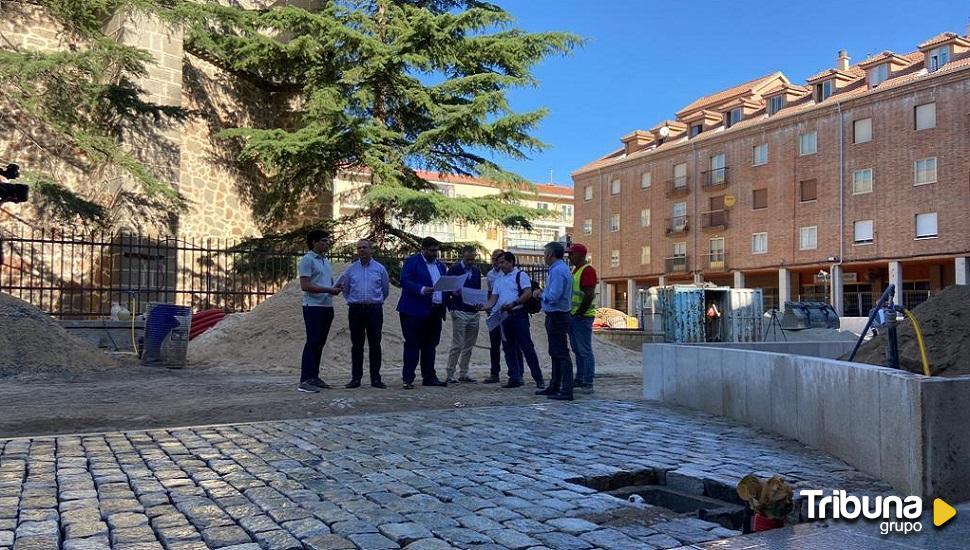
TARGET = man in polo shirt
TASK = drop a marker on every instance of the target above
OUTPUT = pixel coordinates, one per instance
(316, 281)
(366, 285)
(464, 318)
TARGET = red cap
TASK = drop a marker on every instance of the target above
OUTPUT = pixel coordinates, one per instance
(578, 249)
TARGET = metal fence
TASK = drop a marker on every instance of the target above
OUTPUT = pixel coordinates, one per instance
(71, 275)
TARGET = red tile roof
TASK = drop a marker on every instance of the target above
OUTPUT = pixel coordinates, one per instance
(715, 99)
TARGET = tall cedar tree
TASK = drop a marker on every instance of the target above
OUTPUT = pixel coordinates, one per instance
(392, 86)
(73, 105)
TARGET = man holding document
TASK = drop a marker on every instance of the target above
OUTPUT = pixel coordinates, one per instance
(505, 310)
(464, 305)
(422, 310)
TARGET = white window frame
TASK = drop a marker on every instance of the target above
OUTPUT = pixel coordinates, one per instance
(859, 136)
(762, 159)
(928, 118)
(926, 234)
(859, 177)
(730, 119)
(804, 140)
(614, 223)
(863, 232)
(937, 58)
(803, 232)
(587, 226)
(878, 74)
(614, 258)
(823, 90)
(680, 245)
(588, 193)
(682, 177)
(646, 180)
(615, 187)
(756, 239)
(921, 167)
(645, 255)
(772, 108)
(645, 217)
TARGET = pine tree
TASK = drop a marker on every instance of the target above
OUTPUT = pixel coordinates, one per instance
(73, 106)
(390, 86)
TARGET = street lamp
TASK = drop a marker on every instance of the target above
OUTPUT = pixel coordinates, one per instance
(825, 277)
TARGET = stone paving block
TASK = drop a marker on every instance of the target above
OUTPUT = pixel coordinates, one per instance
(374, 541)
(139, 546)
(142, 533)
(479, 523)
(562, 541)
(84, 529)
(6, 538)
(178, 533)
(328, 542)
(429, 544)
(219, 537)
(345, 528)
(405, 533)
(573, 526)
(608, 539)
(123, 520)
(112, 505)
(306, 528)
(529, 526)
(38, 529)
(46, 514)
(90, 543)
(277, 540)
(511, 539)
(461, 536)
(249, 546)
(258, 524)
(433, 520)
(500, 514)
(36, 543)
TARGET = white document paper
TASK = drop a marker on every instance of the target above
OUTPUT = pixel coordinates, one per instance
(474, 296)
(494, 320)
(449, 283)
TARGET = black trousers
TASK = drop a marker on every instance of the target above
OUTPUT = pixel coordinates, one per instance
(317, 320)
(366, 322)
(421, 337)
(495, 350)
(557, 330)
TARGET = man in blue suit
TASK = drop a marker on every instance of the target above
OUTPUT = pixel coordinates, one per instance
(422, 311)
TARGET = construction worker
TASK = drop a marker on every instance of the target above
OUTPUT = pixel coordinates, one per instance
(581, 317)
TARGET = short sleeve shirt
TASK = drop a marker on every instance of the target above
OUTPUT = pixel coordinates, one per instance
(507, 288)
(320, 273)
(588, 278)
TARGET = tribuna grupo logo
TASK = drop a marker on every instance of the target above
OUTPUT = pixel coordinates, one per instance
(895, 514)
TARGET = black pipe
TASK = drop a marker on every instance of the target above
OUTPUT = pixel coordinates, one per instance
(886, 295)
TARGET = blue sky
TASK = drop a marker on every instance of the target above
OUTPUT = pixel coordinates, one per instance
(646, 59)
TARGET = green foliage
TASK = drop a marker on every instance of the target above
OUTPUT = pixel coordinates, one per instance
(61, 205)
(392, 86)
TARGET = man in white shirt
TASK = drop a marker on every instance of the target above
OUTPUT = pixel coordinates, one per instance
(511, 291)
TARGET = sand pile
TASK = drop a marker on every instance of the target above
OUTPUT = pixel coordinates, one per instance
(32, 343)
(270, 338)
(945, 322)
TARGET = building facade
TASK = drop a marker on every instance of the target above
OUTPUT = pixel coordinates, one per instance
(826, 191)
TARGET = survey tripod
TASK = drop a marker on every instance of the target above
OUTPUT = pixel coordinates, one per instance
(884, 315)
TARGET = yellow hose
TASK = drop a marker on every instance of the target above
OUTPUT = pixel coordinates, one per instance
(919, 340)
(131, 311)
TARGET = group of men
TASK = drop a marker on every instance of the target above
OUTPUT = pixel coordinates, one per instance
(566, 301)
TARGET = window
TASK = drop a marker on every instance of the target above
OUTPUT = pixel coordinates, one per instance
(645, 180)
(878, 75)
(808, 143)
(614, 223)
(732, 117)
(759, 243)
(760, 154)
(862, 130)
(615, 187)
(925, 116)
(717, 170)
(808, 190)
(587, 226)
(823, 91)
(680, 250)
(809, 236)
(645, 254)
(567, 210)
(645, 217)
(862, 231)
(716, 257)
(938, 57)
(542, 205)
(926, 225)
(925, 171)
(462, 231)
(680, 175)
(696, 129)
(862, 181)
(776, 104)
(588, 193)
(614, 258)
(759, 199)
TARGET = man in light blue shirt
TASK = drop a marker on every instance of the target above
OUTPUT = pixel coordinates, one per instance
(556, 303)
(365, 285)
(316, 281)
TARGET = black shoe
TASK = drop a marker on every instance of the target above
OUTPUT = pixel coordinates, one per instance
(435, 383)
(319, 383)
(307, 387)
(512, 384)
(547, 391)
(540, 385)
(353, 384)
(378, 384)
(491, 380)
(467, 380)
(562, 397)
(579, 384)
(408, 386)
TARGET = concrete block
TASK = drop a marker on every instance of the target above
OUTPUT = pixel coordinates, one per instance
(946, 440)
(810, 395)
(654, 362)
(862, 425)
(706, 383)
(901, 436)
(784, 409)
(734, 396)
(758, 370)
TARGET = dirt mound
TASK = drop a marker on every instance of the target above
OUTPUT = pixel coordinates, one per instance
(32, 343)
(945, 322)
(270, 338)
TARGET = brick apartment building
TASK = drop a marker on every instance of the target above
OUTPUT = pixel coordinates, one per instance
(824, 191)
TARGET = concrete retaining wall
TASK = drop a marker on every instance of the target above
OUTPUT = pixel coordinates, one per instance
(109, 335)
(827, 349)
(904, 428)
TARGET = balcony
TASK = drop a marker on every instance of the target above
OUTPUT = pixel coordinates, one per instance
(715, 219)
(676, 264)
(715, 261)
(677, 187)
(713, 179)
(677, 225)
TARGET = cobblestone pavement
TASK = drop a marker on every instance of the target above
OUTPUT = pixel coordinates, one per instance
(465, 478)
